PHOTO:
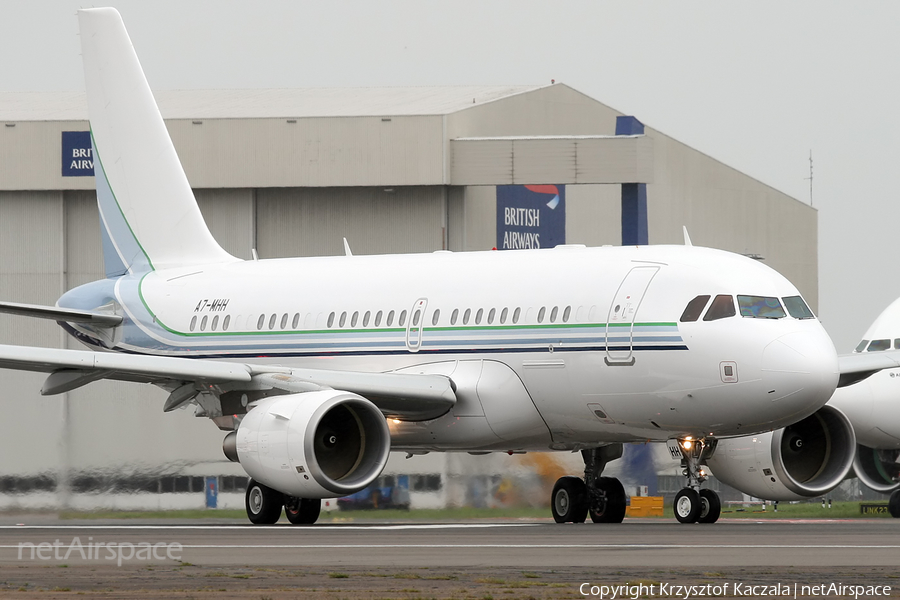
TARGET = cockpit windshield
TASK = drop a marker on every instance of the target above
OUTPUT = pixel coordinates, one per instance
(722, 307)
(694, 309)
(879, 345)
(797, 308)
(862, 346)
(761, 307)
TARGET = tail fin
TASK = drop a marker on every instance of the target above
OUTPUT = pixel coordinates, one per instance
(149, 216)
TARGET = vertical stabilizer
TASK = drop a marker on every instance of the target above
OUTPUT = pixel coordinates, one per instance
(147, 208)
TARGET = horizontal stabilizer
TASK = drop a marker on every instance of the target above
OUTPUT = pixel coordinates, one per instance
(60, 314)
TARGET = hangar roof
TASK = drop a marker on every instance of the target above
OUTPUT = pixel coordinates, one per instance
(270, 103)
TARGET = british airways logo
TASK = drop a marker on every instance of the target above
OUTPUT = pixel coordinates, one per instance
(77, 154)
(530, 216)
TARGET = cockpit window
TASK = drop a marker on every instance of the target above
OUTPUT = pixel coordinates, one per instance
(879, 345)
(862, 346)
(694, 309)
(722, 307)
(760, 307)
(897, 344)
(797, 308)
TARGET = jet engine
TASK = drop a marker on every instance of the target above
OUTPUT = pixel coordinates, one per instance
(312, 445)
(878, 468)
(804, 460)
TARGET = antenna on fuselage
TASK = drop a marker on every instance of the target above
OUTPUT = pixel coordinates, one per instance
(687, 238)
(347, 248)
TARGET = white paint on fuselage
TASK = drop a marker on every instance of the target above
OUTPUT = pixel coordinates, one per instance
(787, 367)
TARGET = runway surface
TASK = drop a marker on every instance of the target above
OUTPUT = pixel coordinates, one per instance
(644, 543)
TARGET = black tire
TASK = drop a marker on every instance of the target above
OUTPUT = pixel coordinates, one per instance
(710, 507)
(687, 506)
(894, 504)
(302, 511)
(612, 508)
(569, 501)
(263, 504)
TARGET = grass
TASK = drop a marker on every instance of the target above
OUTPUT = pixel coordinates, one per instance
(803, 510)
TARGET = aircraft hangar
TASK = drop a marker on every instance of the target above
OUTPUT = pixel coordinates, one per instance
(292, 173)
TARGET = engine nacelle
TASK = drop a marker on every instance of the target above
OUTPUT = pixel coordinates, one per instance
(878, 468)
(315, 444)
(804, 460)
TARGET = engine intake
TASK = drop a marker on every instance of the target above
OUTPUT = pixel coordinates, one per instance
(878, 468)
(804, 460)
(313, 445)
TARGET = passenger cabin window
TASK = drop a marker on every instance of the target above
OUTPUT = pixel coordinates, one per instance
(436, 317)
(478, 316)
(874, 345)
(203, 323)
(541, 314)
(415, 317)
(453, 316)
(193, 322)
(694, 309)
(354, 319)
(491, 314)
(516, 314)
(466, 316)
(390, 318)
(378, 318)
(721, 308)
(272, 321)
(284, 319)
(215, 323)
(402, 320)
(260, 322)
(761, 307)
(553, 312)
(343, 320)
(862, 346)
(226, 322)
(566, 314)
(295, 321)
(366, 318)
(503, 314)
(330, 320)
(797, 308)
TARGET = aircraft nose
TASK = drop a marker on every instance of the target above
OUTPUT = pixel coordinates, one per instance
(801, 368)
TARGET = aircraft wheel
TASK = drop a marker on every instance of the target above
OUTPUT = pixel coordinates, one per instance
(710, 507)
(263, 504)
(569, 501)
(894, 504)
(612, 508)
(687, 506)
(302, 511)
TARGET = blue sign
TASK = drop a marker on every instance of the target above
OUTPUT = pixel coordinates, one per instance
(531, 216)
(77, 154)
(212, 491)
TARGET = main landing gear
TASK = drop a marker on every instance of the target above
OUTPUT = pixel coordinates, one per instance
(603, 498)
(894, 504)
(264, 506)
(693, 505)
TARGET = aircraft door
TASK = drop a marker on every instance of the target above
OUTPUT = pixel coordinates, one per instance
(622, 313)
(416, 325)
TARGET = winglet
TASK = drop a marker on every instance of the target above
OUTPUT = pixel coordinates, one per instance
(347, 248)
(687, 238)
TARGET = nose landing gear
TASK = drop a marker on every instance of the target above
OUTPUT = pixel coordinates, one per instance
(693, 505)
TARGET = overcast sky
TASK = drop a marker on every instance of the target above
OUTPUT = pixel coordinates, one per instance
(756, 85)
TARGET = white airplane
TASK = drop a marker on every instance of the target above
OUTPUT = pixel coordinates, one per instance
(319, 367)
(857, 432)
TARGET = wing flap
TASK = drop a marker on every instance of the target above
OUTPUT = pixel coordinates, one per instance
(412, 397)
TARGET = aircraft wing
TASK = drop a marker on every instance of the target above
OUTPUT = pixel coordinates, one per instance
(56, 313)
(857, 366)
(399, 395)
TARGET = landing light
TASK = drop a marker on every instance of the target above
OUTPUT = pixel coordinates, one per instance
(395, 421)
(687, 444)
